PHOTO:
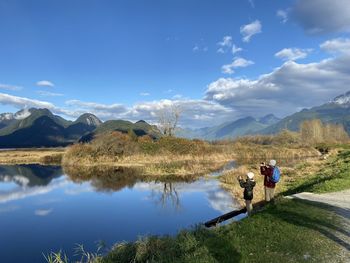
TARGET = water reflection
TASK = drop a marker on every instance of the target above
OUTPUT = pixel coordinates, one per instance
(110, 204)
(22, 181)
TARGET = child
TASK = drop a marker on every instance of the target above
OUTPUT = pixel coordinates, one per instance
(248, 186)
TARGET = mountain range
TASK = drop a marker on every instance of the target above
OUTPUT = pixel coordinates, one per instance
(41, 128)
(240, 127)
(336, 111)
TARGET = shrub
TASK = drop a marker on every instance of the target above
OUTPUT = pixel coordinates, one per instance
(52, 159)
(114, 144)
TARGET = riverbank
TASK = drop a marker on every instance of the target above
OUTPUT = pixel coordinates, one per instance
(289, 231)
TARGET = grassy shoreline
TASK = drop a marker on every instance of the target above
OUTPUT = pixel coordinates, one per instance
(289, 231)
(32, 156)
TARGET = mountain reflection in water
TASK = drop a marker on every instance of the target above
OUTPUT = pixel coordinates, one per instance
(44, 208)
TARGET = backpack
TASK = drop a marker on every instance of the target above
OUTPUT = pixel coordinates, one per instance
(276, 175)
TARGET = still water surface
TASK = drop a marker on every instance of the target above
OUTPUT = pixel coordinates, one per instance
(42, 209)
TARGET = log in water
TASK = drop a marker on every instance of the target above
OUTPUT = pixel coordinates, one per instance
(258, 206)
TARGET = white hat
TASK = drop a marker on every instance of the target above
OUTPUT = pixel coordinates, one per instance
(272, 162)
(250, 175)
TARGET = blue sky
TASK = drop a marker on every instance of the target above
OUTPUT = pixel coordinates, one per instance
(130, 59)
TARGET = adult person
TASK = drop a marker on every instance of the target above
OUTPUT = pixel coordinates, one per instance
(269, 184)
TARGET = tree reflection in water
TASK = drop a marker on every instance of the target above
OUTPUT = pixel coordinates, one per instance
(112, 179)
(169, 193)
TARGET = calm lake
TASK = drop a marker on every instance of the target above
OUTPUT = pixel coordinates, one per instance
(42, 209)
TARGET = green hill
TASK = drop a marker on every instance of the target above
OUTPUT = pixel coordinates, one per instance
(140, 128)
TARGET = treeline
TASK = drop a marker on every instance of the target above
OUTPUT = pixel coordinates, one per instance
(314, 131)
(311, 132)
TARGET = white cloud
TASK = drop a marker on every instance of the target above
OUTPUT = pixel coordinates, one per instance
(198, 48)
(224, 44)
(22, 102)
(105, 111)
(284, 90)
(226, 41)
(144, 94)
(322, 16)
(235, 49)
(292, 53)
(45, 93)
(338, 45)
(45, 83)
(283, 15)
(43, 212)
(10, 87)
(249, 30)
(194, 112)
(236, 63)
(252, 4)
(177, 96)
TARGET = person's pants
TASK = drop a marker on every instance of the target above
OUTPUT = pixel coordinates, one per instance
(269, 193)
(249, 206)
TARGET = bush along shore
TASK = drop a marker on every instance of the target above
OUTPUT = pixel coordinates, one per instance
(175, 156)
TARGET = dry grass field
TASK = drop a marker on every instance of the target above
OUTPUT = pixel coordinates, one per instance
(32, 156)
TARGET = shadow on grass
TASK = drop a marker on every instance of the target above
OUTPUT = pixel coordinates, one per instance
(319, 224)
(305, 187)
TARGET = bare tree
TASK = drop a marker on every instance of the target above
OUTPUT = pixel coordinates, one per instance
(168, 119)
(314, 131)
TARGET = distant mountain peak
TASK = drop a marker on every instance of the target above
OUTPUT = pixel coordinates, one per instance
(6, 116)
(141, 121)
(89, 119)
(343, 99)
(269, 119)
(22, 114)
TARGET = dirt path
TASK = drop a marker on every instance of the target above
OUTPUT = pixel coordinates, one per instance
(339, 203)
(337, 199)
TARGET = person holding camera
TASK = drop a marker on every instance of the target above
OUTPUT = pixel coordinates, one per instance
(272, 175)
(248, 186)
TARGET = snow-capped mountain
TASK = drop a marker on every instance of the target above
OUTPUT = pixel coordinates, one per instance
(343, 99)
(89, 119)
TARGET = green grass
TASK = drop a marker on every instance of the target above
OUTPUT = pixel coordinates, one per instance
(290, 231)
(334, 176)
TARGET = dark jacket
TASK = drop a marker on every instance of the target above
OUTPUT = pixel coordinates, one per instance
(248, 186)
(267, 171)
